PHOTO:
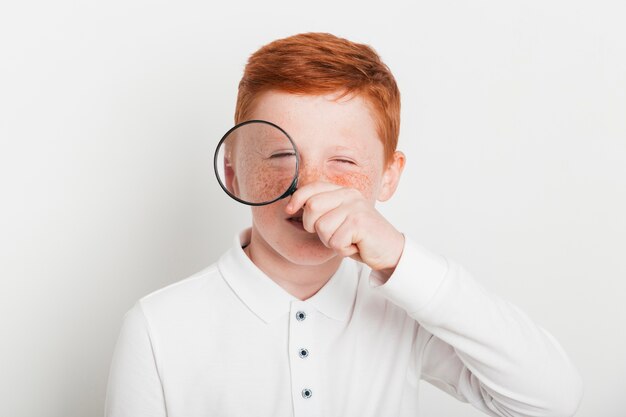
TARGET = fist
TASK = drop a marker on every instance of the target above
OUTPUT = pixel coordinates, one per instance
(349, 224)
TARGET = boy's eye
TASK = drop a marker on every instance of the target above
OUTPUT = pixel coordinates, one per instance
(344, 161)
(284, 154)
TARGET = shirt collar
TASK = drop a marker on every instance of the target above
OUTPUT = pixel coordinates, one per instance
(268, 300)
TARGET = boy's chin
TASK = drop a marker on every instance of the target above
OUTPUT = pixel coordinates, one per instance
(311, 255)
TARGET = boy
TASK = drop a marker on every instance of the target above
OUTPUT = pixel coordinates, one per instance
(322, 307)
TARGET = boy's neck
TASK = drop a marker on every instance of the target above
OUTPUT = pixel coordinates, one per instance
(301, 281)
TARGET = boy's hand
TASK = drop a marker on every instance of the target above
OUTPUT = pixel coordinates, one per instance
(347, 223)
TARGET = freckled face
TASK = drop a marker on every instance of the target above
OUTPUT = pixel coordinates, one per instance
(338, 143)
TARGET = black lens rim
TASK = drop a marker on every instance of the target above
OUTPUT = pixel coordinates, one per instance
(294, 183)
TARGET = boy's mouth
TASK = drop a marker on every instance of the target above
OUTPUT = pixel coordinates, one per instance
(296, 220)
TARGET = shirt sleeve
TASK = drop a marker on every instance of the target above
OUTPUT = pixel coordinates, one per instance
(480, 348)
(134, 388)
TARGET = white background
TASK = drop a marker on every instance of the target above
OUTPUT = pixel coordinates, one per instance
(513, 124)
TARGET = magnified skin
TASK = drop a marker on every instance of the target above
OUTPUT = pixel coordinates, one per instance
(260, 183)
(259, 163)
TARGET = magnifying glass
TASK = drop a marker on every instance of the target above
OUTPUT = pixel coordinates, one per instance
(256, 163)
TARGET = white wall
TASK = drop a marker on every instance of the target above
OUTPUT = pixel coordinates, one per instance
(513, 123)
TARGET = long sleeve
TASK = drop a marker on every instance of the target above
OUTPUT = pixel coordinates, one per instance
(478, 347)
(134, 388)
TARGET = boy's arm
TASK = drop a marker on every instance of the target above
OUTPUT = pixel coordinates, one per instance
(484, 350)
(481, 348)
(134, 387)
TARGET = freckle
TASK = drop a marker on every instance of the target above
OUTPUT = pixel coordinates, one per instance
(358, 180)
(259, 184)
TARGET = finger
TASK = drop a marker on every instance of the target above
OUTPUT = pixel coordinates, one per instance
(299, 198)
(327, 224)
(319, 205)
(357, 257)
(344, 240)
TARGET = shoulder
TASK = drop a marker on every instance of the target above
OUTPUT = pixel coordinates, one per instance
(183, 298)
(185, 287)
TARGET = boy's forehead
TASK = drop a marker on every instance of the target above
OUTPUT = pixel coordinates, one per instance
(317, 102)
(344, 122)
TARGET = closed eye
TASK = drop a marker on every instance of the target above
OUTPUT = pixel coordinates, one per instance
(345, 161)
(285, 154)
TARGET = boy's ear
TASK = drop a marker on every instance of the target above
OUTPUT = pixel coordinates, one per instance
(232, 184)
(391, 176)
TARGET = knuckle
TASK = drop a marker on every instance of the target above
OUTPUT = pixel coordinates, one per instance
(313, 204)
(322, 227)
(335, 242)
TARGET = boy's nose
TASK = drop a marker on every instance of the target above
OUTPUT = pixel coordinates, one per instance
(308, 174)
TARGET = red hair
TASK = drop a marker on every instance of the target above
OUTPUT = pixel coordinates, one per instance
(321, 63)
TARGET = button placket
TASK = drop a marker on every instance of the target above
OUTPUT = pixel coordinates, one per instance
(303, 365)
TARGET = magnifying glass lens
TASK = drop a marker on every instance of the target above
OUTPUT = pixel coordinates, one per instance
(256, 163)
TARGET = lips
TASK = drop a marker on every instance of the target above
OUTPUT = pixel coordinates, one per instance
(296, 220)
(297, 217)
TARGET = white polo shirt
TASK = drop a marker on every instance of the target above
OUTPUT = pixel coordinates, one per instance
(229, 341)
